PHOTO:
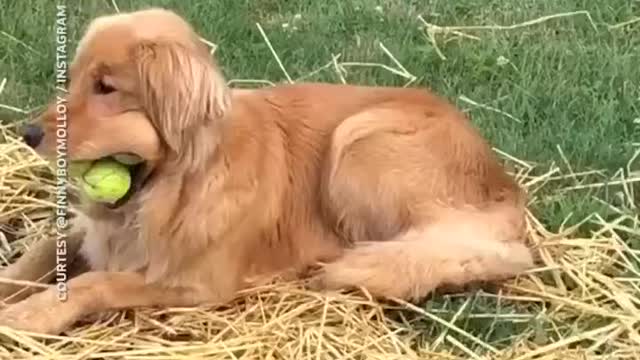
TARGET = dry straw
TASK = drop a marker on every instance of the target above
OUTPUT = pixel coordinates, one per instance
(582, 302)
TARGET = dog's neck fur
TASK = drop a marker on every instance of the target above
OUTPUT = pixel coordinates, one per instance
(115, 240)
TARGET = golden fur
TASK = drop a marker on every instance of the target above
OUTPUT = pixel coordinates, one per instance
(389, 189)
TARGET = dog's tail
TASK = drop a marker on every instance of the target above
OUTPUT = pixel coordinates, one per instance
(466, 248)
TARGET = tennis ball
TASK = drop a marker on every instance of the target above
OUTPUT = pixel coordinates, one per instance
(106, 180)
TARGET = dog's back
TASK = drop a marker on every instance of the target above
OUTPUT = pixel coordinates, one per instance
(400, 167)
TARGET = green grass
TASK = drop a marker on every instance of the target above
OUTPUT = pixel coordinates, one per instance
(570, 83)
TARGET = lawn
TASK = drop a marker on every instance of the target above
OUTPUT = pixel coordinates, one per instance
(554, 85)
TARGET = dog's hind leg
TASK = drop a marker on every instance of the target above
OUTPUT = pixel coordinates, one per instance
(411, 265)
(424, 203)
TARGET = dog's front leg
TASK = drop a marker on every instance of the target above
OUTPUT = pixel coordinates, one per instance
(39, 264)
(91, 293)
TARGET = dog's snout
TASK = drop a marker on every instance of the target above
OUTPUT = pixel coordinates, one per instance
(32, 135)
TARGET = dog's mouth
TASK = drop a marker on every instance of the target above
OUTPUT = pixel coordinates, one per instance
(140, 172)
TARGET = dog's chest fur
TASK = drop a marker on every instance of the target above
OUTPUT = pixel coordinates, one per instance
(112, 241)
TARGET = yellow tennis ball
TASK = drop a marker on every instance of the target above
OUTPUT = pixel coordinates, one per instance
(106, 181)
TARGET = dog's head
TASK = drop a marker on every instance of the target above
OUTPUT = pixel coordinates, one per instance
(140, 83)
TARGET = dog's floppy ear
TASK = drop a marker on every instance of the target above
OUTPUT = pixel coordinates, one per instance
(181, 89)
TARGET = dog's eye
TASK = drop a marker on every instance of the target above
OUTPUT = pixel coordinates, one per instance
(103, 89)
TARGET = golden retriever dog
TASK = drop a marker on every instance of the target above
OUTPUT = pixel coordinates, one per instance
(386, 189)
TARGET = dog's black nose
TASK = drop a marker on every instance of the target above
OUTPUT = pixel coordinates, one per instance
(32, 135)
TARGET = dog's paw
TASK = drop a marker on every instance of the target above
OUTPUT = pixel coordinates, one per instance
(18, 317)
(40, 313)
(370, 267)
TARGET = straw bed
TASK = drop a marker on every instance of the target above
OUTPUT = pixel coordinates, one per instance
(582, 302)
